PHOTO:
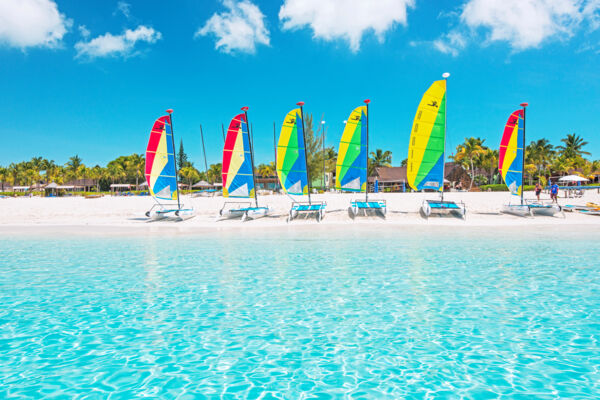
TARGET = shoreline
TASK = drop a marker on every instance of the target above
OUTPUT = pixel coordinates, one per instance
(126, 214)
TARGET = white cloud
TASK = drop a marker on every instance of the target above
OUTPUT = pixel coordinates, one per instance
(344, 19)
(451, 43)
(29, 23)
(116, 45)
(124, 8)
(84, 31)
(523, 24)
(238, 30)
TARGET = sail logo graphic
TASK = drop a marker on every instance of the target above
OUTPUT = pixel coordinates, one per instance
(434, 103)
(291, 121)
(513, 121)
(356, 118)
(432, 184)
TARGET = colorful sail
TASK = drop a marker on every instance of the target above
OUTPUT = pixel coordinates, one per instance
(510, 160)
(291, 157)
(160, 161)
(238, 180)
(351, 166)
(425, 169)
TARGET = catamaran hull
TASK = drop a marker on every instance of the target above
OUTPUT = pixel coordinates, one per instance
(547, 211)
(246, 214)
(518, 210)
(456, 209)
(182, 215)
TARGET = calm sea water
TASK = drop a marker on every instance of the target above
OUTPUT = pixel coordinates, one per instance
(404, 313)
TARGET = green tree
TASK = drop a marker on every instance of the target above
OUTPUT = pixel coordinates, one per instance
(214, 173)
(468, 152)
(573, 146)
(189, 174)
(182, 158)
(378, 159)
(135, 165)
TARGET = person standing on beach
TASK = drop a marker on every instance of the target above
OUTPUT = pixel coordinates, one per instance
(538, 190)
(554, 193)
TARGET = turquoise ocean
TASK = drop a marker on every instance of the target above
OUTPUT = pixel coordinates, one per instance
(359, 313)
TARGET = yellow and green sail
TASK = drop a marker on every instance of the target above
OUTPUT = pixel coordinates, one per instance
(351, 166)
(425, 168)
(291, 157)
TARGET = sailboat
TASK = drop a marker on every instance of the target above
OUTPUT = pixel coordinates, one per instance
(161, 172)
(292, 165)
(239, 180)
(351, 166)
(426, 150)
(510, 164)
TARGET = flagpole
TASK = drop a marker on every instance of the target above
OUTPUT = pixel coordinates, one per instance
(245, 110)
(301, 104)
(170, 112)
(524, 105)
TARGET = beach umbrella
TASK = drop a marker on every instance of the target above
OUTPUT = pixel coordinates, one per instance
(573, 178)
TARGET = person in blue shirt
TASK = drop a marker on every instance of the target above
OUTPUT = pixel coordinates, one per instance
(554, 192)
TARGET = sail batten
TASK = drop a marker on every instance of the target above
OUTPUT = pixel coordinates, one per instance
(510, 157)
(291, 157)
(425, 164)
(351, 166)
(237, 174)
(160, 161)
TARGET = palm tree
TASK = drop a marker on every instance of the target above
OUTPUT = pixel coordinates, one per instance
(3, 175)
(468, 152)
(488, 161)
(214, 172)
(540, 153)
(190, 174)
(266, 170)
(378, 159)
(313, 148)
(134, 166)
(573, 146)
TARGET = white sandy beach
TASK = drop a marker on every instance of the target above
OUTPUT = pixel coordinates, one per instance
(123, 212)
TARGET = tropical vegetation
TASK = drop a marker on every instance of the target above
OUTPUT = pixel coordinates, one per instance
(543, 161)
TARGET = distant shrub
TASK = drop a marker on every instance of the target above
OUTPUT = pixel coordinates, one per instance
(501, 187)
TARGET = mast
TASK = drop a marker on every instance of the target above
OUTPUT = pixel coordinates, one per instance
(275, 149)
(170, 111)
(223, 131)
(524, 105)
(445, 75)
(301, 104)
(245, 110)
(367, 101)
(204, 150)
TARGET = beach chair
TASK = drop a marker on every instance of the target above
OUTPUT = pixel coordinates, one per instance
(307, 208)
(443, 207)
(375, 206)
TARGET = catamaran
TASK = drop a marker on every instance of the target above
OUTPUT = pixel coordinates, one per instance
(351, 166)
(426, 150)
(292, 165)
(510, 164)
(239, 180)
(161, 172)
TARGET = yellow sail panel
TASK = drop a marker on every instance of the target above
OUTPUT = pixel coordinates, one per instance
(425, 164)
(291, 158)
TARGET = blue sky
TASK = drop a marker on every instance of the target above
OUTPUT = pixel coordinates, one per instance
(90, 78)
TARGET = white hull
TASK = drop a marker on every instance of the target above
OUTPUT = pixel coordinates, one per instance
(459, 210)
(547, 211)
(245, 214)
(163, 213)
(517, 209)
